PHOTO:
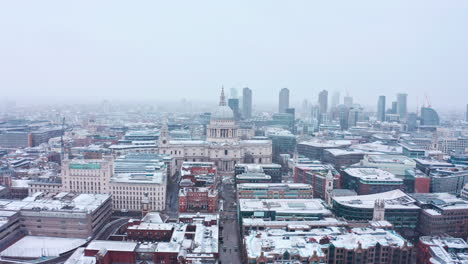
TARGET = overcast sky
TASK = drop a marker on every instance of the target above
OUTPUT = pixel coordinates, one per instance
(152, 50)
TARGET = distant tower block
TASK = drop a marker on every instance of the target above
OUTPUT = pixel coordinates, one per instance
(379, 210)
(145, 205)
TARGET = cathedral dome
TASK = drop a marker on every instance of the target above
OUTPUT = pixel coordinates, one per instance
(222, 112)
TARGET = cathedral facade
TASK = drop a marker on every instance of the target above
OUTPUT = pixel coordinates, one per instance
(223, 144)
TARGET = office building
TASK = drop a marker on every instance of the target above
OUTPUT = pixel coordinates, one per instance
(400, 209)
(394, 109)
(283, 142)
(395, 164)
(328, 245)
(341, 158)
(246, 103)
(402, 105)
(343, 115)
(272, 170)
(429, 117)
(283, 209)
(411, 122)
(10, 228)
(381, 108)
(348, 101)
(441, 250)
(442, 214)
(323, 106)
(335, 100)
(355, 115)
(283, 103)
(370, 180)
(314, 149)
(233, 103)
(129, 179)
(62, 214)
(450, 180)
(233, 93)
(274, 191)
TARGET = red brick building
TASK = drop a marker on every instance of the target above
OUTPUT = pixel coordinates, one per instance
(198, 199)
(315, 175)
(198, 192)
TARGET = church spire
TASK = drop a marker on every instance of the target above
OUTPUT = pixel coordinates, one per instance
(222, 98)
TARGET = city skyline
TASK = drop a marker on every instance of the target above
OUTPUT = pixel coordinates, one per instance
(67, 58)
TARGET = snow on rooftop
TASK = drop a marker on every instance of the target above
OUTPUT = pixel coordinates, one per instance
(112, 245)
(378, 146)
(20, 183)
(395, 199)
(327, 143)
(78, 257)
(284, 205)
(372, 174)
(38, 246)
(342, 152)
(399, 159)
(304, 243)
(81, 203)
(273, 186)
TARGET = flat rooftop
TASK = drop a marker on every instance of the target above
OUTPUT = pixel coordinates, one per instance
(378, 146)
(112, 245)
(305, 243)
(395, 199)
(370, 174)
(64, 202)
(319, 143)
(158, 177)
(38, 246)
(443, 201)
(284, 205)
(258, 186)
(390, 159)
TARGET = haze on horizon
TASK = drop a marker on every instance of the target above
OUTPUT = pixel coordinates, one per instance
(167, 50)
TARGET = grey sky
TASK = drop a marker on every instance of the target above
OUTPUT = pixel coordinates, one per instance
(187, 49)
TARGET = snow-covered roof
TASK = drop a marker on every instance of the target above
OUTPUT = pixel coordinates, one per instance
(372, 174)
(321, 143)
(158, 177)
(315, 206)
(112, 245)
(378, 146)
(63, 202)
(242, 186)
(78, 257)
(395, 199)
(275, 242)
(38, 246)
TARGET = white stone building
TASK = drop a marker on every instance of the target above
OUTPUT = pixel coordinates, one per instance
(223, 144)
(127, 189)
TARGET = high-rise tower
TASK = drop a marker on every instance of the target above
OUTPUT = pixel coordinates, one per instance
(247, 103)
(283, 103)
(402, 105)
(381, 108)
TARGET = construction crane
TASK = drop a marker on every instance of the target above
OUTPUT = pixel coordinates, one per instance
(427, 101)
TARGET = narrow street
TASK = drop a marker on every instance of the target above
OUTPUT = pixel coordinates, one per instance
(229, 249)
(172, 197)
